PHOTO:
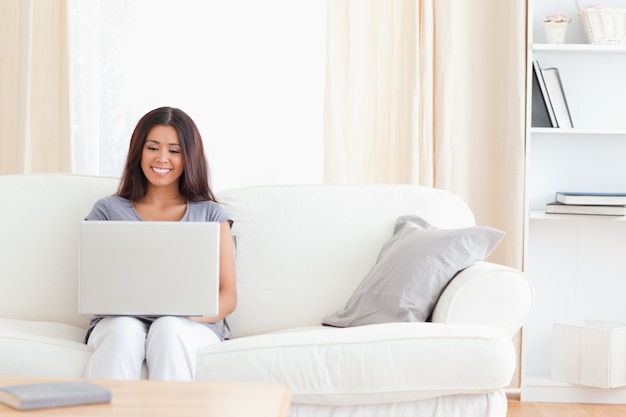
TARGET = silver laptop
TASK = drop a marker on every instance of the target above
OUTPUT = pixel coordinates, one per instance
(148, 268)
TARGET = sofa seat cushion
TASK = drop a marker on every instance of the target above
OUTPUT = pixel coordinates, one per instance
(372, 364)
(42, 349)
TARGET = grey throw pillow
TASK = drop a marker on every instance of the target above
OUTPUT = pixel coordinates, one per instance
(413, 268)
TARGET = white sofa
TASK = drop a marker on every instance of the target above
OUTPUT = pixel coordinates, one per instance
(301, 252)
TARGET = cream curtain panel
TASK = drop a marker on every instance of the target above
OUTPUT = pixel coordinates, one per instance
(432, 92)
(34, 87)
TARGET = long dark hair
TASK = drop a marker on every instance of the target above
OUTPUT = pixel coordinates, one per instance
(194, 183)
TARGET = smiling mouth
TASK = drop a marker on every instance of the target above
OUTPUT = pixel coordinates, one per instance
(160, 171)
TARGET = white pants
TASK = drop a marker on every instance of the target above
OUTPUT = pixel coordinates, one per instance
(168, 345)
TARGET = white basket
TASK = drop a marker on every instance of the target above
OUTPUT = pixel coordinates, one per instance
(603, 26)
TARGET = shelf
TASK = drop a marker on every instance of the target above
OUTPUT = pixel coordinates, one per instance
(541, 215)
(541, 388)
(577, 131)
(576, 262)
(579, 47)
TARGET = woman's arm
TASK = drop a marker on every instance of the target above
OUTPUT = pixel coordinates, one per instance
(228, 284)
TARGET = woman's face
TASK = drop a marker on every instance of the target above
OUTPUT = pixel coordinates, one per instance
(162, 158)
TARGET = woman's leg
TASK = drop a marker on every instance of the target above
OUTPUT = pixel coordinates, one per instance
(172, 345)
(119, 345)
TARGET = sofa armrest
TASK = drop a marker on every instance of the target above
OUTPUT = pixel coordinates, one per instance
(486, 293)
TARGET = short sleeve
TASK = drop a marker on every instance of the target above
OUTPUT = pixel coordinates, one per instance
(98, 211)
(113, 208)
(206, 211)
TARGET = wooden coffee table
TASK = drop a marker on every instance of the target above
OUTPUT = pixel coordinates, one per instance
(167, 399)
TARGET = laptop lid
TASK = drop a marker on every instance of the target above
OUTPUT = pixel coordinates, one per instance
(142, 268)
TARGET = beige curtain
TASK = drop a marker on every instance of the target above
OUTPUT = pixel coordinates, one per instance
(34, 87)
(432, 92)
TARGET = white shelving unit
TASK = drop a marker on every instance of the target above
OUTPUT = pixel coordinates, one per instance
(577, 263)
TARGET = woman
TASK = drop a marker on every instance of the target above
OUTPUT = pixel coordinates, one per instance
(165, 179)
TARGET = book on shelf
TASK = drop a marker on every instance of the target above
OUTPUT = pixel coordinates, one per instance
(601, 210)
(599, 199)
(554, 86)
(542, 112)
(33, 396)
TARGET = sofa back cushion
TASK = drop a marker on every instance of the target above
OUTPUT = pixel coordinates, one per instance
(39, 229)
(303, 250)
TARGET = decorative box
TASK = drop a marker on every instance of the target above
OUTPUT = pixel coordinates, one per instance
(590, 352)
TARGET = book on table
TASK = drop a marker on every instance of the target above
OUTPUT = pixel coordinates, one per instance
(590, 198)
(601, 210)
(38, 395)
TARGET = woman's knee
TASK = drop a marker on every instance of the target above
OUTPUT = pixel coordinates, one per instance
(119, 345)
(167, 326)
(179, 331)
(122, 330)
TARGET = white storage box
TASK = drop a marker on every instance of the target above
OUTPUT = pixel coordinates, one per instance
(590, 352)
(603, 25)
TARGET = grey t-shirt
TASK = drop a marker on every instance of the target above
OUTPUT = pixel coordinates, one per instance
(118, 208)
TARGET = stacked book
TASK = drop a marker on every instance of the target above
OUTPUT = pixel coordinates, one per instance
(604, 204)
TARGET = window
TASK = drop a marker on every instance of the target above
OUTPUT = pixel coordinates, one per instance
(249, 72)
